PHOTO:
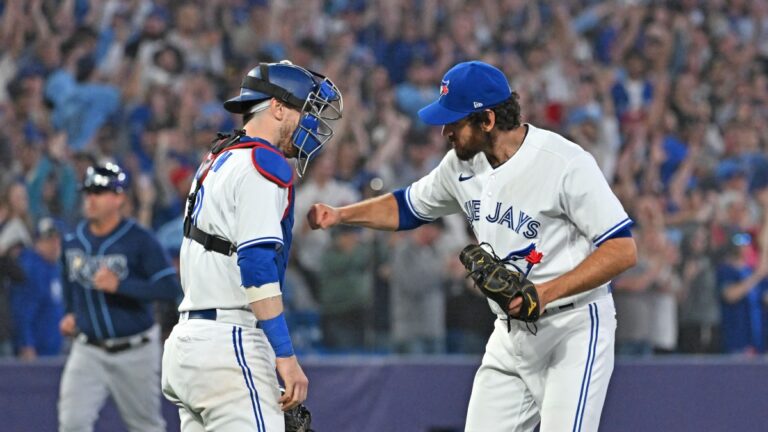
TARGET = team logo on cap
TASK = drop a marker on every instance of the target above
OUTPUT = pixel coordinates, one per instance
(444, 87)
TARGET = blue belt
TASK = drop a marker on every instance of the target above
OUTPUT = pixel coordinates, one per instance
(208, 314)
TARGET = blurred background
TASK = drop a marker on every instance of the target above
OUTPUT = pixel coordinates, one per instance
(671, 98)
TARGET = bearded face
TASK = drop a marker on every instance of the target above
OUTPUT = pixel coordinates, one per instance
(467, 138)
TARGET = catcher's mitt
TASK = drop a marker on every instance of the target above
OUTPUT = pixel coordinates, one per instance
(297, 419)
(499, 283)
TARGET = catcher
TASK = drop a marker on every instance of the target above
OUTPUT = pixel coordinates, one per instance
(220, 360)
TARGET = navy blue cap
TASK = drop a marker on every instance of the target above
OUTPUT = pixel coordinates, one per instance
(466, 88)
(105, 178)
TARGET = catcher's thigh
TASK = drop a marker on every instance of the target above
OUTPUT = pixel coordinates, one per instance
(223, 375)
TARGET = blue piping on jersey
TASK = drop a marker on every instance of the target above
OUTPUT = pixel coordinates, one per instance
(88, 291)
(107, 243)
(412, 208)
(107, 316)
(622, 233)
(161, 274)
(115, 237)
(407, 219)
(250, 377)
(592, 363)
(247, 384)
(626, 223)
(258, 241)
(587, 378)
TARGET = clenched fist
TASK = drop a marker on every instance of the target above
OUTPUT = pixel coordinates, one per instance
(67, 325)
(105, 280)
(323, 216)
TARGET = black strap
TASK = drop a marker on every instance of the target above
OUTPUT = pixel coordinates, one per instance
(225, 140)
(209, 241)
(260, 85)
(118, 347)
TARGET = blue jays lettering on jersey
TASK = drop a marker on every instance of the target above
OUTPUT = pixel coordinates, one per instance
(140, 264)
(518, 221)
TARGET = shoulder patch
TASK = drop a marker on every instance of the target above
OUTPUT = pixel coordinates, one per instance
(273, 166)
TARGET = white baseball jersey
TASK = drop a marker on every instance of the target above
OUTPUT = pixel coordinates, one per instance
(218, 366)
(237, 203)
(550, 195)
(551, 204)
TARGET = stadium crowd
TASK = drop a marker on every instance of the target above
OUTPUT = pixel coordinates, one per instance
(671, 98)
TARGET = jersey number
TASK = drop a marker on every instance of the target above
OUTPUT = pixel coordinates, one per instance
(198, 204)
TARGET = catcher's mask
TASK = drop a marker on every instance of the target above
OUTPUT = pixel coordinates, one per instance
(314, 95)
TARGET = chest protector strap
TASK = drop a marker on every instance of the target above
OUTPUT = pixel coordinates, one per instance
(209, 241)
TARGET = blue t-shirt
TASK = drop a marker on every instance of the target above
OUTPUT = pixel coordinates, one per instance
(741, 321)
(37, 305)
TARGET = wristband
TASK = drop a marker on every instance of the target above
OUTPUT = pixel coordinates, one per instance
(276, 330)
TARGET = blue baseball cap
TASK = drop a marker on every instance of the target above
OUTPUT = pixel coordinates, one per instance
(466, 88)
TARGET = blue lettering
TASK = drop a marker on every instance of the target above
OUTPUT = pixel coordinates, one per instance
(524, 221)
(495, 216)
(472, 208)
(507, 218)
(198, 204)
(475, 210)
(220, 161)
(521, 220)
(533, 229)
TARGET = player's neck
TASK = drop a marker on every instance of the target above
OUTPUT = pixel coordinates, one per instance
(505, 145)
(102, 227)
(258, 129)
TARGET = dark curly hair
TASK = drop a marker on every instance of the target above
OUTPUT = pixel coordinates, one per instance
(507, 114)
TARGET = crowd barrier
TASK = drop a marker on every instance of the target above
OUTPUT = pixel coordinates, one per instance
(429, 394)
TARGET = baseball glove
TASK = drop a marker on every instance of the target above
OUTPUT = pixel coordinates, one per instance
(499, 283)
(298, 419)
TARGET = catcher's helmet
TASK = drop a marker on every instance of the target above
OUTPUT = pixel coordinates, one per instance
(105, 178)
(318, 99)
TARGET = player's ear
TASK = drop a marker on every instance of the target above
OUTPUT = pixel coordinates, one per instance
(489, 120)
(277, 109)
(122, 200)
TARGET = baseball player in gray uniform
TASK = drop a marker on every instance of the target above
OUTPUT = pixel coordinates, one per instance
(220, 359)
(113, 271)
(542, 204)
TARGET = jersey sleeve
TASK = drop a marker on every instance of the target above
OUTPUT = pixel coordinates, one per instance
(157, 279)
(430, 197)
(155, 262)
(259, 208)
(589, 202)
